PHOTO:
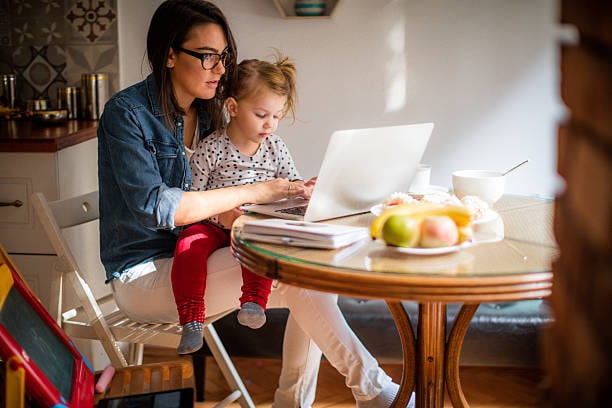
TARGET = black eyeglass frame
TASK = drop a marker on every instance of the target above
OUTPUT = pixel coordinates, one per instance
(203, 56)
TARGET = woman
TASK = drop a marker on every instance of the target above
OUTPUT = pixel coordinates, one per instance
(145, 135)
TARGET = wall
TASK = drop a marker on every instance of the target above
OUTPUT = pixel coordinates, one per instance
(48, 44)
(485, 71)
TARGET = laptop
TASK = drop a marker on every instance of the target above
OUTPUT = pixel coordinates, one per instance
(361, 168)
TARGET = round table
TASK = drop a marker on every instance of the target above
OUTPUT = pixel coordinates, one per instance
(514, 267)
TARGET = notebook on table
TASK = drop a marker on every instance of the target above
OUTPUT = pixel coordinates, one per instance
(361, 167)
(303, 233)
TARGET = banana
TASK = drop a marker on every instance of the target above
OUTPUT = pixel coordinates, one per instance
(459, 214)
(465, 233)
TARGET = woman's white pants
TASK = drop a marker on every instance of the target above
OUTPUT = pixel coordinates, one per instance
(315, 324)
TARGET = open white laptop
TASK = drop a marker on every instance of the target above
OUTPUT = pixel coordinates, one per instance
(361, 167)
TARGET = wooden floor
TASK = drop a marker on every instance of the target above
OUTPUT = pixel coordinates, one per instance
(484, 387)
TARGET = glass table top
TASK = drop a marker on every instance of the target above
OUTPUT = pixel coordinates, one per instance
(519, 241)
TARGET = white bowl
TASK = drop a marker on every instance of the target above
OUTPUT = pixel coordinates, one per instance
(486, 185)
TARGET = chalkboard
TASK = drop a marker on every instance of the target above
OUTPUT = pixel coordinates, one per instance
(45, 349)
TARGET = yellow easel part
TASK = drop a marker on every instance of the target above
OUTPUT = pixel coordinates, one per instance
(6, 283)
(15, 383)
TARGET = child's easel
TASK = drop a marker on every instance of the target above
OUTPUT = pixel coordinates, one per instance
(15, 383)
(41, 362)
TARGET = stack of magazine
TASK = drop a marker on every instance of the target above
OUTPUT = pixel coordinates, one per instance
(303, 234)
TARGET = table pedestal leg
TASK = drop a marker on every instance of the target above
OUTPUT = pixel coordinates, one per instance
(453, 352)
(436, 361)
(406, 334)
(431, 341)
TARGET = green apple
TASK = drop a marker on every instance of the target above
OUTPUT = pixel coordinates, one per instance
(402, 231)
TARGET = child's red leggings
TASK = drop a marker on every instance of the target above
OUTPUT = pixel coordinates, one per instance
(189, 271)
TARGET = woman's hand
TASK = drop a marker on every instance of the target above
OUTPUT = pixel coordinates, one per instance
(196, 206)
(276, 189)
(308, 186)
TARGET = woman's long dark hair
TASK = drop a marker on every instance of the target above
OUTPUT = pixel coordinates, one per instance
(169, 27)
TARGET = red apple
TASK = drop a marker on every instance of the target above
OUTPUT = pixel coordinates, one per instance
(438, 231)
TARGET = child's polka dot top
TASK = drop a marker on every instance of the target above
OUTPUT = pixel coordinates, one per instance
(217, 163)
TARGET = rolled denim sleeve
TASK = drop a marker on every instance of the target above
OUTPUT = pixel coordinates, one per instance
(167, 204)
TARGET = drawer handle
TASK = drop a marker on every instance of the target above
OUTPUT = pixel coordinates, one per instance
(16, 203)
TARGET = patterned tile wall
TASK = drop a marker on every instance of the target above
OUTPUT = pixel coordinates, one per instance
(48, 44)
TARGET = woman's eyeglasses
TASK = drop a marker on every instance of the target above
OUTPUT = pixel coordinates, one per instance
(209, 60)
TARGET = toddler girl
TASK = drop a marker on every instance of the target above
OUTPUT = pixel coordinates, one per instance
(245, 151)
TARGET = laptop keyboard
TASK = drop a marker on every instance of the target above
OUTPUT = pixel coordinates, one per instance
(299, 210)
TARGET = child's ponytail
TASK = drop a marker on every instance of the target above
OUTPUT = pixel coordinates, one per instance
(287, 67)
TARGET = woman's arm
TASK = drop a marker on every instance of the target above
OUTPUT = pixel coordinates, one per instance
(196, 206)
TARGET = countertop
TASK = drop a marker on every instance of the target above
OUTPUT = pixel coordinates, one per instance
(24, 135)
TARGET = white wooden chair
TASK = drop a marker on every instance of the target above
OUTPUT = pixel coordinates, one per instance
(100, 318)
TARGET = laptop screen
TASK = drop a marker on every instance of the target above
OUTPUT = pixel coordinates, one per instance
(55, 371)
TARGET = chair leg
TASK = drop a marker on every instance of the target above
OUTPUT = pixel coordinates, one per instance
(199, 373)
(135, 353)
(226, 366)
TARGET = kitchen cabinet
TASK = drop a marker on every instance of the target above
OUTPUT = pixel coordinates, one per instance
(59, 161)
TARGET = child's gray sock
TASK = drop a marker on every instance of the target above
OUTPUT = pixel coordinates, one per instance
(191, 338)
(251, 315)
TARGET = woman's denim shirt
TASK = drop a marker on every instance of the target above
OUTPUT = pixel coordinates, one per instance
(142, 173)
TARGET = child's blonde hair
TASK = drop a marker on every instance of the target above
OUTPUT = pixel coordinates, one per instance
(251, 76)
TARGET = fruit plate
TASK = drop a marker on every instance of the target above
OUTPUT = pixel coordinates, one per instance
(489, 216)
(431, 189)
(378, 208)
(430, 251)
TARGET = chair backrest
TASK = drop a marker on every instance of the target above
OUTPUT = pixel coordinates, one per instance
(54, 217)
(100, 318)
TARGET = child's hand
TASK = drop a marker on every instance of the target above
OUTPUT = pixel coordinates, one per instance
(227, 218)
(310, 183)
(307, 187)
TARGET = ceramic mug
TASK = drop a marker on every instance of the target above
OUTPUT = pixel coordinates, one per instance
(420, 181)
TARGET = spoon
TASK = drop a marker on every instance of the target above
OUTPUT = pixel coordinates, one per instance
(514, 168)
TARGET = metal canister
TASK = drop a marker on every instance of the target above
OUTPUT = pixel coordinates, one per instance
(69, 98)
(36, 105)
(95, 94)
(7, 90)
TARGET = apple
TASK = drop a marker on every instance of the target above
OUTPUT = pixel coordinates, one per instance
(438, 231)
(402, 231)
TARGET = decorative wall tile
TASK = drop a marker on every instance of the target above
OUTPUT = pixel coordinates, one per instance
(5, 26)
(50, 43)
(93, 58)
(92, 21)
(41, 70)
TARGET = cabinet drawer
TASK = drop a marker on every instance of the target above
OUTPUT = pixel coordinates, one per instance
(66, 173)
(20, 230)
(22, 175)
(14, 199)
